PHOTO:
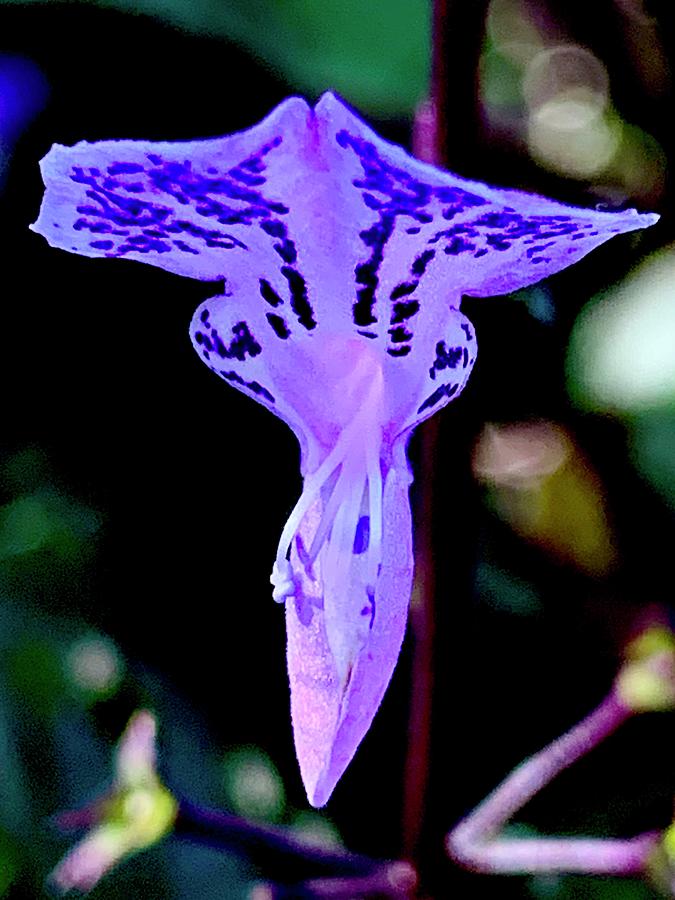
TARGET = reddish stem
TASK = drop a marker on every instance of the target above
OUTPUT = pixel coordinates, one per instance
(426, 136)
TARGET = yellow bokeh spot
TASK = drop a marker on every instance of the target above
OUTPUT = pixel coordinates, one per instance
(657, 639)
(646, 682)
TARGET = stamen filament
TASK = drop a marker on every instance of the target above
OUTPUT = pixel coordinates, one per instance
(349, 471)
(312, 487)
(357, 455)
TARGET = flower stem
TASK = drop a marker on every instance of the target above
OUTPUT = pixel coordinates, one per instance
(288, 860)
(449, 59)
(426, 137)
(475, 843)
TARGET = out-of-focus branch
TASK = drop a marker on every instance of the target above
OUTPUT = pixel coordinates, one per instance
(458, 33)
(457, 36)
(646, 682)
(391, 881)
(138, 810)
(286, 860)
(474, 842)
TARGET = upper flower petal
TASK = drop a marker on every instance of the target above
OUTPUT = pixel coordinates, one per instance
(317, 227)
(189, 207)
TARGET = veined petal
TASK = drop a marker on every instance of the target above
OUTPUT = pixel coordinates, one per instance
(324, 234)
(191, 207)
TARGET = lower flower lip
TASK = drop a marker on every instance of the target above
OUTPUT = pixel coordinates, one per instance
(332, 714)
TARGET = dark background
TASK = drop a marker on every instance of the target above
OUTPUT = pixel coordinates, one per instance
(167, 492)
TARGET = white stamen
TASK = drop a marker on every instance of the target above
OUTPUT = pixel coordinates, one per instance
(349, 472)
(357, 456)
(283, 581)
(312, 487)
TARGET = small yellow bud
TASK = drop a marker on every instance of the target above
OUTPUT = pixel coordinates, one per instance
(661, 864)
(136, 812)
(646, 681)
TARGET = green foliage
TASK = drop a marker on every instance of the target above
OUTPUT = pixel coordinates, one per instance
(58, 675)
(374, 54)
(577, 887)
(652, 443)
(253, 786)
(506, 592)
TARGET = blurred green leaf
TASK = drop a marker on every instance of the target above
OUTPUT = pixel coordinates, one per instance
(253, 786)
(504, 591)
(9, 863)
(542, 484)
(35, 673)
(45, 520)
(621, 356)
(653, 450)
(316, 830)
(501, 80)
(579, 887)
(375, 54)
(25, 471)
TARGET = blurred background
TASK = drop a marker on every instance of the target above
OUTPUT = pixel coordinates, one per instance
(142, 499)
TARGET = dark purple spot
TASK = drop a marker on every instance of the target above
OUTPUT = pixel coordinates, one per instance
(268, 293)
(419, 266)
(401, 290)
(362, 536)
(286, 250)
(186, 248)
(122, 168)
(279, 325)
(445, 390)
(446, 358)
(274, 228)
(299, 301)
(242, 345)
(366, 273)
(253, 386)
(400, 334)
(458, 245)
(403, 311)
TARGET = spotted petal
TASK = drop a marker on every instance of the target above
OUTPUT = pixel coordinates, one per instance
(343, 262)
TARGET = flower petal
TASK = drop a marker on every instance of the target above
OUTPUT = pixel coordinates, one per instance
(88, 861)
(332, 711)
(443, 375)
(189, 207)
(427, 237)
(320, 230)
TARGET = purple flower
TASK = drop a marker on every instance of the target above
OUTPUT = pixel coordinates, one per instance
(344, 262)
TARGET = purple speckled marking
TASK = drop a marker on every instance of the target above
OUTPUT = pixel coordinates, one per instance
(253, 386)
(362, 536)
(233, 197)
(394, 192)
(445, 390)
(446, 358)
